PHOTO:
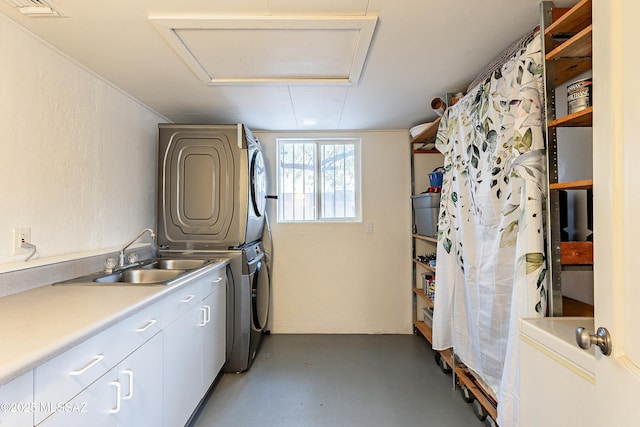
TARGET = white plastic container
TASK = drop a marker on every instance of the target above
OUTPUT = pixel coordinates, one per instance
(426, 207)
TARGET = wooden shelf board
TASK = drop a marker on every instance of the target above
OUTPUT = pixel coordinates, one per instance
(585, 184)
(427, 134)
(576, 253)
(476, 390)
(578, 46)
(420, 293)
(426, 152)
(425, 238)
(578, 17)
(447, 355)
(575, 308)
(583, 118)
(474, 387)
(424, 330)
(568, 69)
(422, 264)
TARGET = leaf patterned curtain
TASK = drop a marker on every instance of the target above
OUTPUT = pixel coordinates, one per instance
(491, 266)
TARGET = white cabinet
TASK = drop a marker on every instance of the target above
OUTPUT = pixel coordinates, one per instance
(16, 398)
(557, 379)
(193, 347)
(63, 377)
(95, 406)
(129, 395)
(214, 351)
(141, 386)
(151, 369)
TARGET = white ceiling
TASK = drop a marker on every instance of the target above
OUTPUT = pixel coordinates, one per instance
(420, 49)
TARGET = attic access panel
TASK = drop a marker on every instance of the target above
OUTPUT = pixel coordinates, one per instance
(254, 50)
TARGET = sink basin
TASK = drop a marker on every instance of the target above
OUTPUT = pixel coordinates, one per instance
(178, 264)
(139, 275)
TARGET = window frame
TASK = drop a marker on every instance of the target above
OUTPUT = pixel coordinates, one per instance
(318, 178)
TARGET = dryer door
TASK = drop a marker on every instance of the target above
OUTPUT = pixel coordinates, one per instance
(258, 180)
(260, 295)
(256, 197)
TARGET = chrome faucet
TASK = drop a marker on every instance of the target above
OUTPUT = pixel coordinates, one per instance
(121, 259)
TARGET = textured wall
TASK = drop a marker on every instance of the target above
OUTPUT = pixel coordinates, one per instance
(78, 156)
(334, 277)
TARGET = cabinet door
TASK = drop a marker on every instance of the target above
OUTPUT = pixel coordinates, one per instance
(96, 406)
(63, 377)
(182, 367)
(16, 398)
(141, 384)
(214, 339)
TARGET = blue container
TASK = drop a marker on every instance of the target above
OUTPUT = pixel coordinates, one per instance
(435, 179)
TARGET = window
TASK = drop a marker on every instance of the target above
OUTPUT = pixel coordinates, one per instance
(319, 179)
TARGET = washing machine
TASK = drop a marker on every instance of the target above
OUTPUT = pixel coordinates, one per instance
(212, 186)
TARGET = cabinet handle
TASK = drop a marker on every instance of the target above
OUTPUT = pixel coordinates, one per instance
(129, 372)
(147, 326)
(219, 279)
(115, 410)
(88, 366)
(208, 313)
(204, 316)
(187, 299)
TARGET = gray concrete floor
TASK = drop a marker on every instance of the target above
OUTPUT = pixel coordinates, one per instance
(341, 381)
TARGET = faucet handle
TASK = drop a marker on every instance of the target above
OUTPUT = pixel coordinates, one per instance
(132, 258)
(109, 263)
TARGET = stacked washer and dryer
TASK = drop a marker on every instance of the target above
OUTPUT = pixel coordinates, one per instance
(212, 186)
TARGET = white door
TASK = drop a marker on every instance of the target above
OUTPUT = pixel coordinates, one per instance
(141, 385)
(183, 367)
(616, 192)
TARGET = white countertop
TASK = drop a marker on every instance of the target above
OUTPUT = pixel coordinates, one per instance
(41, 323)
(558, 335)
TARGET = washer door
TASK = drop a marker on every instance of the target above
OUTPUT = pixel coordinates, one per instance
(258, 183)
(260, 292)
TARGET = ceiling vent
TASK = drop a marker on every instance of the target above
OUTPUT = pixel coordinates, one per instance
(37, 8)
(270, 49)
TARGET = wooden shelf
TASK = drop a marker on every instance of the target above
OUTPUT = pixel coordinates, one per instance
(477, 391)
(585, 184)
(447, 355)
(573, 57)
(424, 330)
(577, 47)
(420, 293)
(427, 134)
(422, 264)
(569, 68)
(576, 253)
(583, 118)
(425, 238)
(575, 308)
(578, 17)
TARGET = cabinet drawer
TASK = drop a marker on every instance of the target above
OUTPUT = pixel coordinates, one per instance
(16, 398)
(182, 300)
(60, 379)
(214, 280)
(138, 329)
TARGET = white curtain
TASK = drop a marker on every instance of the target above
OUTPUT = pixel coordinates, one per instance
(491, 267)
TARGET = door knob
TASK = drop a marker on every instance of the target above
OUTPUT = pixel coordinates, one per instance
(602, 339)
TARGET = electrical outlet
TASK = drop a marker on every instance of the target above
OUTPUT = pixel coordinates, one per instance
(369, 228)
(20, 235)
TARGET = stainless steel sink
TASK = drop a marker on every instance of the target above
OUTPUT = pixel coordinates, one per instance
(178, 264)
(154, 271)
(139, 275)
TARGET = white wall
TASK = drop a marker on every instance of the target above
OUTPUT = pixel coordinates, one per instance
(336, 278)
(78, 156)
